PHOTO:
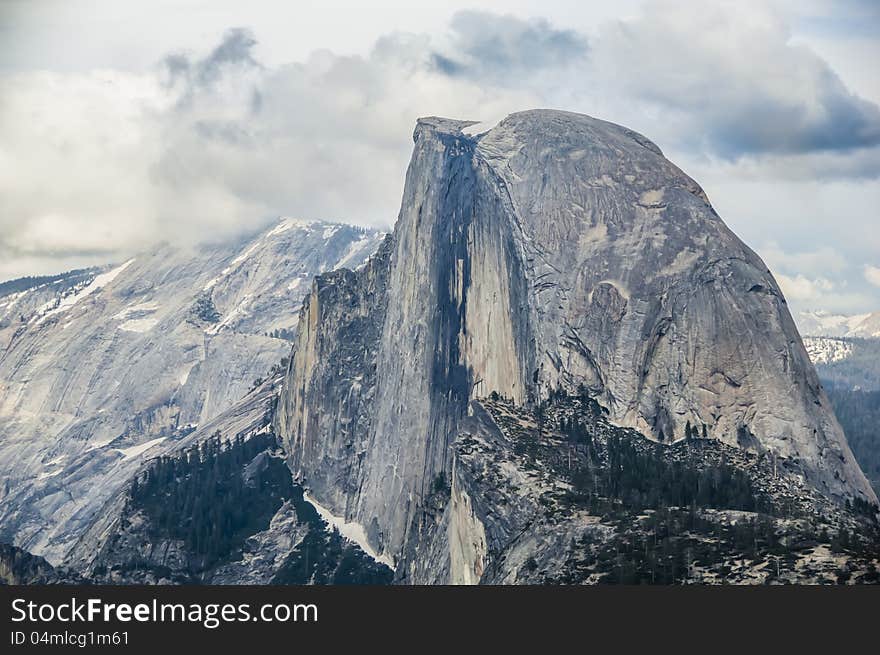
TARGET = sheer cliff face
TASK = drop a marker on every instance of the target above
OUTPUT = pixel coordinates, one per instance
(553, 250)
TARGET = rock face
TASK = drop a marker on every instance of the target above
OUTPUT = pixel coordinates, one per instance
(554, 250)
(105, 368)
(18, 567)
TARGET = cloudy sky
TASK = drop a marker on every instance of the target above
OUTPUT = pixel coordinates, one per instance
(124, 123)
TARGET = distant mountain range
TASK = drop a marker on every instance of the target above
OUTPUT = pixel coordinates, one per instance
(820, 323)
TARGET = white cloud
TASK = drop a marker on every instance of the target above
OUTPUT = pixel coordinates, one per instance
(872, 275)
(806, 293)
(726, 80)
(821, 261)
(107, 162)
(802, 288)
(74, 157)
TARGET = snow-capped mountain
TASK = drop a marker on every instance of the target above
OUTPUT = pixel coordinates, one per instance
(820, 323)
(104, 368)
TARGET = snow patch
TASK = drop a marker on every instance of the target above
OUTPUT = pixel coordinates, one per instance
(283, 226)
(238, 311)
(95, 445)
(213, 281)
(244, 256)
(185, 375)
(12, 299)
(142, 308)
(233, 264)
(353, 250)
(477, 128)
(350, 530)
(139, 325)
(67, 302)
(286, 224)
(135, 451)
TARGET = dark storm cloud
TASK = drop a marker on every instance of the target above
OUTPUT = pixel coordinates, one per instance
(831, 120)
(176, 65)
(731, 83)
(735, 89)
(234, 52)
(489, 46)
